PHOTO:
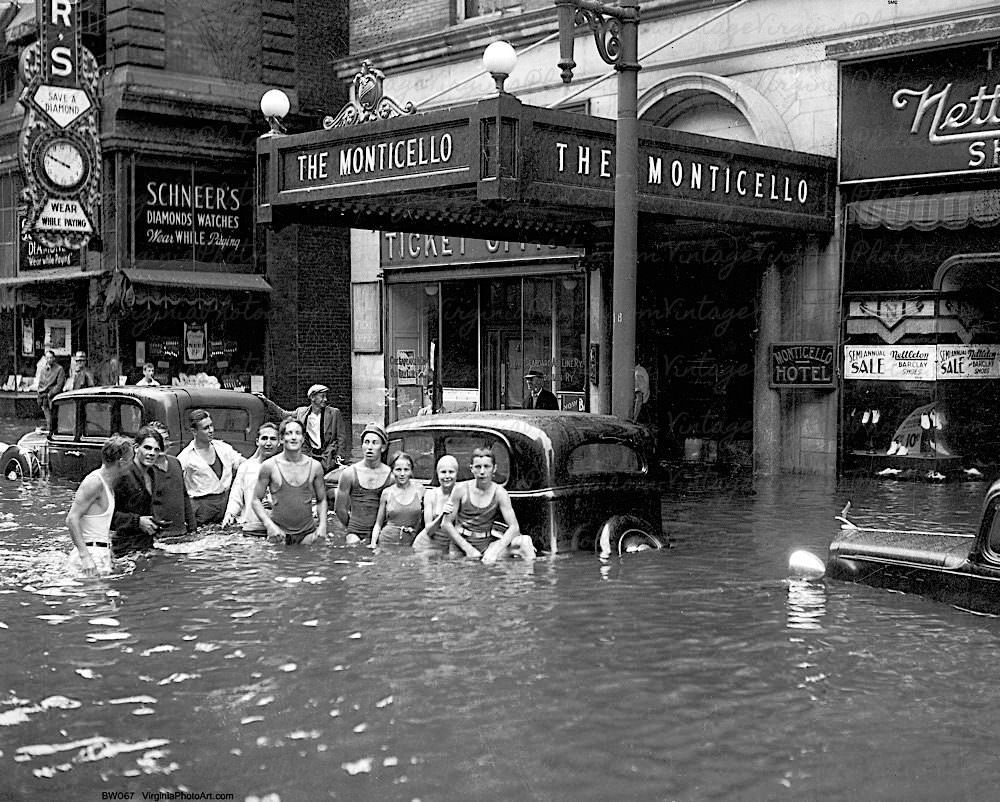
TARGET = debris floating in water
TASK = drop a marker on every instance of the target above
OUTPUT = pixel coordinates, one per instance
(804, 564)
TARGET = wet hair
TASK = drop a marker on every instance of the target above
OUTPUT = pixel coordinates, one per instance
(447, 458)
(483, 451)
(161, 428)
(147, 431)
(196, 416)
(116, 448)
(148, 365)
(288, 422)
(267, 425)
(400, 455)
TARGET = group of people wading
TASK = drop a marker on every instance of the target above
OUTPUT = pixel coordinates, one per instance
(141, 493)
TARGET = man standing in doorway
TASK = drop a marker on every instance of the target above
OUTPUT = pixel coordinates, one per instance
(538, 396)
(326, 436)
(51, 382)
(80, 374)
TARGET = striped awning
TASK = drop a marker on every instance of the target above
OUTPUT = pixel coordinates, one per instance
(952, 210)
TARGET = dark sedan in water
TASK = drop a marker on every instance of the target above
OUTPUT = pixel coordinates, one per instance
(956, 568)
(576, 481)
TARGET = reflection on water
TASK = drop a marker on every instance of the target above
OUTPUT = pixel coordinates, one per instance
(700, 672)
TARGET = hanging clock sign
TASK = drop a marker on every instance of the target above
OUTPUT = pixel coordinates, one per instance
(59, 147)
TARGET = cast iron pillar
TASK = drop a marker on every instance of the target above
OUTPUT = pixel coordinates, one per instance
(616, 33)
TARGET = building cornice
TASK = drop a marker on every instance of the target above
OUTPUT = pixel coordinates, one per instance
(946, 30)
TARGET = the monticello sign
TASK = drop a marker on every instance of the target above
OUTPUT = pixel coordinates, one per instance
(436, 172)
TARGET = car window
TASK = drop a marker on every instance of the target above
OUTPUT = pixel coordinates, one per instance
(596, 458)
(65, 419)
(131, 418)
(420, 447)
(97, 418)
(994, 538)
(232, 424)
(461, 446)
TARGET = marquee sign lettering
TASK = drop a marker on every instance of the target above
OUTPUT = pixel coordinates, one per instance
(59, 148)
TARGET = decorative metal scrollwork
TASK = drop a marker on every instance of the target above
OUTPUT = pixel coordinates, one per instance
(607, 33)
(367, 102)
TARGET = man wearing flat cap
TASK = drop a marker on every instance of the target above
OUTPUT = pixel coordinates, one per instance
(538, 397)
(327, 438)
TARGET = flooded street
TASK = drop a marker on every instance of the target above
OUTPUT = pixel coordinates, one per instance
(329, 672)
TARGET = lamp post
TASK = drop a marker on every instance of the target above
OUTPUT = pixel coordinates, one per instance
(616, 33)
(274, 106)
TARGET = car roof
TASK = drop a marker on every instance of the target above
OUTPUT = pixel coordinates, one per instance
(194, 395)
(552, 426)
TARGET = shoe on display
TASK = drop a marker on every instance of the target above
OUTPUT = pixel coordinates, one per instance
(876, 415)
(903, 451)
(866, 417)
(894, 448)
(925, 421)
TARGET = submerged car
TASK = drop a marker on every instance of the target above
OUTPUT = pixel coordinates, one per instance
(961, 569)
(84, 419)
(576, 480)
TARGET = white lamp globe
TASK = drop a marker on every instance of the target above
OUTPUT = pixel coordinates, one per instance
(499, 58)
(274, 103)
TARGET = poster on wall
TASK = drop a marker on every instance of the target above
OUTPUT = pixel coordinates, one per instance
(58, 336)
(192, 215)
(406, 366)
(196, 343)
(27, 338)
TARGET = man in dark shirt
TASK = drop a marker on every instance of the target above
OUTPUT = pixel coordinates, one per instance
(80, 374)
(51, 382)
(538, 397)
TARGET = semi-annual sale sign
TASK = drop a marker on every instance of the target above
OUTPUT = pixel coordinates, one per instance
(921, 362)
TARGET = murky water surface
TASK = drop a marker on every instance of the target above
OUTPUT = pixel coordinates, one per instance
(333, 673)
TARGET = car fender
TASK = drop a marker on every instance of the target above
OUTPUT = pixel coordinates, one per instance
(621, 534)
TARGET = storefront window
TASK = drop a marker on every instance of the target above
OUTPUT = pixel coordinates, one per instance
(491, 332)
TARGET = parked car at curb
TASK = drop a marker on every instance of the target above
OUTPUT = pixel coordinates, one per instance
(84, 419)
(575, 480)
(961, 569)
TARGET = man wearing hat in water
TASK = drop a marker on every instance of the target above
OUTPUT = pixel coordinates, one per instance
(360, 486)
(327, 439)
(538, 396)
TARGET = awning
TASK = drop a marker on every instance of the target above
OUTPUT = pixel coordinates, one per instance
(952, 210)
(198, 279)
(55, 274)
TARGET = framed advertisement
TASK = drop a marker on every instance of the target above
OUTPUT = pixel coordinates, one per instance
(366, 317)
(27, 338)
(196, 343)
(58, 336)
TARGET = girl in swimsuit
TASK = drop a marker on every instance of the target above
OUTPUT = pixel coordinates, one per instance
(477, 503)
(437, 504)
(399, 513)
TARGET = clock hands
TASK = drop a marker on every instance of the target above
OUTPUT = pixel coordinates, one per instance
(50, 157)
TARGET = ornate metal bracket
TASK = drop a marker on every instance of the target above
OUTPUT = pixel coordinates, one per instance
(607, 21)
(367, 102)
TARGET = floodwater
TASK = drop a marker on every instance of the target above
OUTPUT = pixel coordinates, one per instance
(330, 672)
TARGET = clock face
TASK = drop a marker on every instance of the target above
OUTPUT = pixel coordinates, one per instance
(63, 164)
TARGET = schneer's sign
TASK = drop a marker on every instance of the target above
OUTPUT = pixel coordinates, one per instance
(921, 114)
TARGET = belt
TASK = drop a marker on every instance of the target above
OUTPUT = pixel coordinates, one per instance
(100, 545)
(469, 533)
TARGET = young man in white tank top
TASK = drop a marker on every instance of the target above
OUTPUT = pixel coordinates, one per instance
(89, 517)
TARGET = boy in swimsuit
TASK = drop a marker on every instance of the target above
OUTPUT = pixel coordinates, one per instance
(360, 486)
(89, 517)
(437, 504)
(295, 482)
(399, 511)
(477, 502)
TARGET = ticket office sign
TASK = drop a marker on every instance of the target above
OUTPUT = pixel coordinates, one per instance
(921, 362)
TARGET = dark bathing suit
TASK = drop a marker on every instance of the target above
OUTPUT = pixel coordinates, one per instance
(364, 506)
(475, 524)
(402, 521)
(293, 508)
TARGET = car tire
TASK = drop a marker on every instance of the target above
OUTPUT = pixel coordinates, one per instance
(625, 534)
(19, 465)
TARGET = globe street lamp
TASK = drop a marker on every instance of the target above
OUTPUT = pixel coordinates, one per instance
(274, 106)
(616, 33)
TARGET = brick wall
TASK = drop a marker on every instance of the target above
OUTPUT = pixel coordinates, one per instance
(309, 323)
